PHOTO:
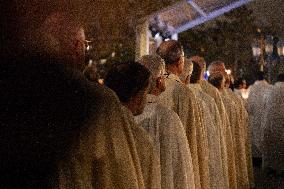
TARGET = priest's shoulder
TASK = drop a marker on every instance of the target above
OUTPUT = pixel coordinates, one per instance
(166, 113)
(103, 96)
(208, 98)
(181, 89)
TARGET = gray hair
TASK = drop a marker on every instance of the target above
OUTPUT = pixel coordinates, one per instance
(155, 64)
(217, 67)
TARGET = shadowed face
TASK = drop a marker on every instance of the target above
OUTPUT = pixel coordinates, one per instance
(64, 37)
(160, 82)
(190, 69)
(181, 64)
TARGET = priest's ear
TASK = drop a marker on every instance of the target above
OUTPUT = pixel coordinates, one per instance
(160, 84)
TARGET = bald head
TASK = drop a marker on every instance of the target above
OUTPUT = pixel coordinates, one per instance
(171, 51)
(217, 67)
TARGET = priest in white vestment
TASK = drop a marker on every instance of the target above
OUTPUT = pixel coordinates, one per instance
(238, 120)
(266, 96)
(193, 73)
(255, 110)
(110, 153)
(242, 135)
(167, 131)
(240, 131)
(218, 80)
(130, 81)
(180, 99)
(222, 117)
(273, 141)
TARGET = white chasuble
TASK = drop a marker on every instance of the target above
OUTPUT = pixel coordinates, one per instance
(241, 137)
(273, 141)
(106, 156)
(171, 142)
(213, 127)
(180, 99)
(255, 110)
(222, 118)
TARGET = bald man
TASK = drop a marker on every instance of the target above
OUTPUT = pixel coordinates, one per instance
(180, 99)
(167, 131)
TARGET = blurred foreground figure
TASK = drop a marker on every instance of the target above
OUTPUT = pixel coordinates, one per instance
(179, 98)
(212, 124)
(273, 130)
(130, 81)
(255, 107)
(167, 131)
(61, 35)
(57, 129)
(90, 72)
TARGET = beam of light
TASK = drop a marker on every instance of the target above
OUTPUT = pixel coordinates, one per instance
(197, 8)
(211, 15)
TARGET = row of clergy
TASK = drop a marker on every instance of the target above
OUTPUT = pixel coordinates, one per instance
(59, 130)
(198, 128)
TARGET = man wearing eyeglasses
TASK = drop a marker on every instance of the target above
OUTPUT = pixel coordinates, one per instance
(167, 131)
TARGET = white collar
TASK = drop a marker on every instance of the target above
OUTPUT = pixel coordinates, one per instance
(195, 86)
(173, 77)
